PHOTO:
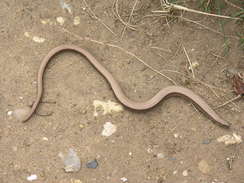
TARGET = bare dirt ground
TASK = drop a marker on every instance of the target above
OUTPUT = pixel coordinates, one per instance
(165, 144)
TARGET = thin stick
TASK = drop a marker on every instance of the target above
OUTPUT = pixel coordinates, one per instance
(229, 101)
(233, 5)
(192, 21)
(174, 6)
(120, 48)
(204, 26)
(48, 114)
(131, 13)
(161, 49)
(211, 86)
(143, 62)
(98, 19)
(116, 12)
(190, 64)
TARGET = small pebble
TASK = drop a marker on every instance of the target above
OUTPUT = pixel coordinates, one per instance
(195, 64)
(160, 156)
(98, 156)
(206, 141)
(230, 139)
(71, 161)
(149, 150)
(38, 39)
(32, 177)
(76, 181)
(46, 21)
(45, 138)
(27, 34)
(108, 129)
(124, 179)
(112, 141)
(204, 167)
(176, 135)
(185, 173)
(9, 113)
(92, 164)
(60, 20)
(107, 107)
(77, 20)
(82, 126)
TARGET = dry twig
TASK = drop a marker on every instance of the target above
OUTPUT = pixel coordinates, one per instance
(229, 101)
(197, 23)
(161, 49)
(116, 12)
(120, 48)
(179, 7)
(131, 13)
(233, 5)
(204, 26)
(190, 64)
(98, 19)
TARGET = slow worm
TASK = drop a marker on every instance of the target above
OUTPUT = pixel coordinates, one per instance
(162, 94)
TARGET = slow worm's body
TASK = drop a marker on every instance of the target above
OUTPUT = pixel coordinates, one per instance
(162, 94)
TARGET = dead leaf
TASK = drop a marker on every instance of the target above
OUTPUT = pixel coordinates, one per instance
(238, 83)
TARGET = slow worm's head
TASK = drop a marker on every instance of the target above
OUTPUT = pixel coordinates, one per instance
(21, 113)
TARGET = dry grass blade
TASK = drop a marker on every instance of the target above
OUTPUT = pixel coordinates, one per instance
(204, 26)
(229, 101)
(178, 7)
(120, 48)
(116, 13)
(161, 49)
(190, 64)
(233, 5)
(201, 25)
(131, 13)
(211, 86)
(98, 19)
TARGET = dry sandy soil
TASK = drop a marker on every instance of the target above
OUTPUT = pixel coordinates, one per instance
(182, 134)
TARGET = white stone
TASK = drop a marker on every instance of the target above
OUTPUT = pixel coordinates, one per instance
(60, 20)
(9, 113)
(108, 129)
(160, 156)
(230, 139)
(38, 39)
(185, 173)
(124, 179)
(76, 20)
(32, 177)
